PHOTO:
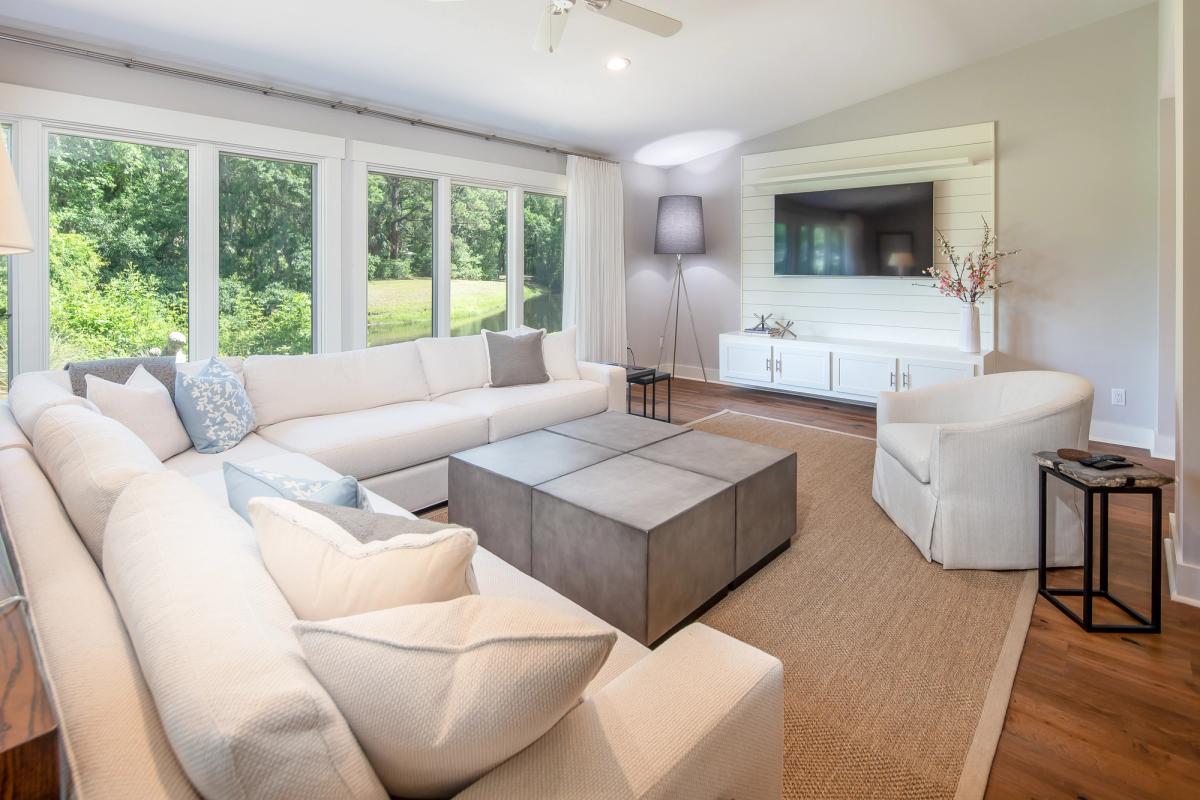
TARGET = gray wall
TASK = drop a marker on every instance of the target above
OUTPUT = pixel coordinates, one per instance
(1076, 191)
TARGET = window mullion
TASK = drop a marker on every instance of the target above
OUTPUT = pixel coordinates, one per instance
(204, 269)
(515, 279)
(29, 273)
(441, 228)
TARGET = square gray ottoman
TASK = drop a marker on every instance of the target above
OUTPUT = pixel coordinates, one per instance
(643, 545)
(490, 487)
(618, 431)
(765, 478)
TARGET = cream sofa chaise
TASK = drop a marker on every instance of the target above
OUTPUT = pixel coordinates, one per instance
(954, 467)
(700, 717)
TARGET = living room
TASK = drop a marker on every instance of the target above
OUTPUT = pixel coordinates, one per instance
(587, 398)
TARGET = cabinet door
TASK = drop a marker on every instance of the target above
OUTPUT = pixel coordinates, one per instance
(918, 373)
(746, 361)
(806, 369)
(863, 375)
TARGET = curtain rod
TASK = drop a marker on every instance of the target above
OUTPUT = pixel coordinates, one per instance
(270, 91)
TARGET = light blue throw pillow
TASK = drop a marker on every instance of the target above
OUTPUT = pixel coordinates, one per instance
(214, 407)
(243, 483)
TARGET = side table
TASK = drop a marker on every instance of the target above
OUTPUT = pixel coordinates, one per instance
(649, 380)
(1102, 483)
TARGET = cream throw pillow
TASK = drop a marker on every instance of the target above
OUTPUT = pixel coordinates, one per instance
(439, 694)
(558, 350)
(143, 405)
(325, 571)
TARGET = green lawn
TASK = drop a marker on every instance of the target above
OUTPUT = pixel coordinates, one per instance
(402, 310)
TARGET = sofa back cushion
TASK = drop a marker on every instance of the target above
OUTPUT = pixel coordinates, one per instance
(212, 633)
(290, 387)
(90, 459)
(31, 393)
(453, 363)
(119, 370)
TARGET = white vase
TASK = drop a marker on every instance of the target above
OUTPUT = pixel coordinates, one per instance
(968, 335)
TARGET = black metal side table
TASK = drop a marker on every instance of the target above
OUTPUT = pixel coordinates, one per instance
(1102, 483)
(649, 380)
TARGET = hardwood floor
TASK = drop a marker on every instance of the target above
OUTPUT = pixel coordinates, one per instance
(1091, 715)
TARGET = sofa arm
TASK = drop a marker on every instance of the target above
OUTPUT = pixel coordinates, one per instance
(607, 375)
(700, 717)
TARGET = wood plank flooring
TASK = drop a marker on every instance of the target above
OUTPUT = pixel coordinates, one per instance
(1091, 715)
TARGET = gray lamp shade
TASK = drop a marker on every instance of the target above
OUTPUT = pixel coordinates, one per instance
(680, 225)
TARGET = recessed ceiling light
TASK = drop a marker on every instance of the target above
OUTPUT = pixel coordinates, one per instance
(618, 63)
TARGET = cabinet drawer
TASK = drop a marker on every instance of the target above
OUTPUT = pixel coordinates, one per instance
(746, 361)
(920, 373)
(807, 369)
(863, 375)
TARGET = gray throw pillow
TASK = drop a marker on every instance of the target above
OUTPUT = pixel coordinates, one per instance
(516, 360)
(118, 370)
(367, 526)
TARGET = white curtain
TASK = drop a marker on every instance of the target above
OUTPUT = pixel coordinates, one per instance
(594, 279)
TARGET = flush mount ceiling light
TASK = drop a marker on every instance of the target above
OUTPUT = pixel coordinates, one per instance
(618, 63)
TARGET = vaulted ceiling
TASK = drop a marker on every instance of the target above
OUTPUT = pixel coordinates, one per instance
(737, 69)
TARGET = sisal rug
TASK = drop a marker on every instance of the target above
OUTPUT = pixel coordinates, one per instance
(897, 673)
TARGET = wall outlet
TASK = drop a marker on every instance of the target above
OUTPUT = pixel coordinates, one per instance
(1118, 397)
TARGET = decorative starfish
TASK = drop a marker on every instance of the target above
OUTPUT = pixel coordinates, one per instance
(783, 329)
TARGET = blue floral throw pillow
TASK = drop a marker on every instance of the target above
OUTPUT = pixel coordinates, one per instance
(243, 483)
(213, 407)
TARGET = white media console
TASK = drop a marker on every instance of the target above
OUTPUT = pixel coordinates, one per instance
(842, 369)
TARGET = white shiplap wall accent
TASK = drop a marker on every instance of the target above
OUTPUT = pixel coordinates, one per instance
(961, 164)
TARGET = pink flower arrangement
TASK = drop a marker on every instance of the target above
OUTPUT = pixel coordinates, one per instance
(971, 277)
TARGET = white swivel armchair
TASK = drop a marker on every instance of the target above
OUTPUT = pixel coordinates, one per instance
(954, 470)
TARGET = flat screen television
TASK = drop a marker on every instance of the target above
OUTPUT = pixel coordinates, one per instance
(872, 231)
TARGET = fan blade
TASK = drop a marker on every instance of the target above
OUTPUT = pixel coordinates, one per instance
(638, 17)
(550, 30)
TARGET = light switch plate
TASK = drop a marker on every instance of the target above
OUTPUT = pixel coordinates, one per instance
(1118, 397)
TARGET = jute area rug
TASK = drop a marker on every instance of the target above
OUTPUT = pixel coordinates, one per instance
(897, 673)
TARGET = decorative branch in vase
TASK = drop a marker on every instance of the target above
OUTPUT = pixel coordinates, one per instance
(969, 278)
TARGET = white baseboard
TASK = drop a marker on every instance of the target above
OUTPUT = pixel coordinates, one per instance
(1128, 435)
(1182, 579)
(689, 372)
(1164, 447)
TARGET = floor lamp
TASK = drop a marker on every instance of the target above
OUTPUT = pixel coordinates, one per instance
(680, 232)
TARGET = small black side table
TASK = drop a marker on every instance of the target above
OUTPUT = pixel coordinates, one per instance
(1102, 483)
(649, 379)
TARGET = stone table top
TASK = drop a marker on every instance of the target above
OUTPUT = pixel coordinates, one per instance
(1122, 477)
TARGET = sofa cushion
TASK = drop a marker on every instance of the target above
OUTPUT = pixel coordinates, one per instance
(439, 694)
(513, 410)
(337, 562)
(213, 636)
(192, 462)
(30, 394)
(454, 363)
(90, 459)
(375, 441)
(290, 387)
(515, 359)
(910, 443)
(119, 370)
(559, 352)
(143, 405)
(214, 407)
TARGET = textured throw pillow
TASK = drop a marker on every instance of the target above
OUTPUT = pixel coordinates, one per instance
(143, 405)
(118, 370)
(243, 483)
(439, 694)
(515, 360)
(90, 459)
(336, 562)
(559, 352)
(214, 407)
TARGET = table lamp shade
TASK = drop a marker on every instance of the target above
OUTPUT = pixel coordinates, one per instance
(680, 225)
(14, 227)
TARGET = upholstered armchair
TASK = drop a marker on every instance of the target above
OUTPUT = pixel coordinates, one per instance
(953, 467)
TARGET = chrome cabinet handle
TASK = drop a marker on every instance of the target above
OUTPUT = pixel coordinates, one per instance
(768, 363)
(892, 380)
(779, 365)
(904, 378)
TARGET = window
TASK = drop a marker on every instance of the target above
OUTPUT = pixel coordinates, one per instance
(265, 222)
(5, 356)
(118, 248)
(478, 259)
(543, 261)
(399, 258)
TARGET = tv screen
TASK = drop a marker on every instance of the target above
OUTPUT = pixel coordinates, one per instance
(874, 231)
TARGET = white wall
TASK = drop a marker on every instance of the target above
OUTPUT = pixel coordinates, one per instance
(1076, 140)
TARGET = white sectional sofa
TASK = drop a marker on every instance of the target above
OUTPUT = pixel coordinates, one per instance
(700, 717)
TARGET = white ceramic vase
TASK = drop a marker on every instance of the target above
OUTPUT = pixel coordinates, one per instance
(968, 335)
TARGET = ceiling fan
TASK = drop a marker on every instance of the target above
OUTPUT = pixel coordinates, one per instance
(554, 20)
